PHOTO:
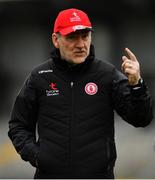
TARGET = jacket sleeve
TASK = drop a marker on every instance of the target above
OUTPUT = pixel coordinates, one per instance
(134, 105)
(22, 125)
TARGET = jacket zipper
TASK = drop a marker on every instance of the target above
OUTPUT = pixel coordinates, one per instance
(71, 124)
(72, 84)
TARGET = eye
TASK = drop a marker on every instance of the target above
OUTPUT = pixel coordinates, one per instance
(85, 35)
(71, 37)
(75, 36)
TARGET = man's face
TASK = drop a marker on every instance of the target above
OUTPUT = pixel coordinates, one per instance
(73, 47)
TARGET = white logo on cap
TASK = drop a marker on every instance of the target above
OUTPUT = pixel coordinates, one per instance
(78, 27)
(75, 17)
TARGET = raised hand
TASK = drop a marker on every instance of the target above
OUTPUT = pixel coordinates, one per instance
(131, 67)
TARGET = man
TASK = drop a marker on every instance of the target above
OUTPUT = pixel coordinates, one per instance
(71, 98)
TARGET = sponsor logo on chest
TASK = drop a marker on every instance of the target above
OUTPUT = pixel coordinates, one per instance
(54, 91)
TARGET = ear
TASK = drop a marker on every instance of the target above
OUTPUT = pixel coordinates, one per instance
(55, 40)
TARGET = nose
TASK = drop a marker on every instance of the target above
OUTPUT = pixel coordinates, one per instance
(80, 42)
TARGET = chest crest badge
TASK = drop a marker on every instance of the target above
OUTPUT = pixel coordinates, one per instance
(91, 88)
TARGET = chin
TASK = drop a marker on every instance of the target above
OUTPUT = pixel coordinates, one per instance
(79, 60)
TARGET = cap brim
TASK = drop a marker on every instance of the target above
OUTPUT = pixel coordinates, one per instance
(71, 29)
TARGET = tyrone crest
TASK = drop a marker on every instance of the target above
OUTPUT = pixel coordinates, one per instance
(91, 88)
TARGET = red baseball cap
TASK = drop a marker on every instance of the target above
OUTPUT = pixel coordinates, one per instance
(71, 20)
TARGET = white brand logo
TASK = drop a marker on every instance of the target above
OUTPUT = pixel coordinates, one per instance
(45, 71)
(78, 27)
(75, 17)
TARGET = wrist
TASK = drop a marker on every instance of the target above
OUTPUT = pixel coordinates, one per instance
(139, 88)
(136, 83)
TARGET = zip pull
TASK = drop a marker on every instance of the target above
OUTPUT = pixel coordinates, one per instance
(72, 84)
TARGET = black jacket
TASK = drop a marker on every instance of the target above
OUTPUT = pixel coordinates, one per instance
(73, 108)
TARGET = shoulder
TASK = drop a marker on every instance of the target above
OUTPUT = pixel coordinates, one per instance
(38, 71)
(104, 66)
(42, 68)
(106, 69)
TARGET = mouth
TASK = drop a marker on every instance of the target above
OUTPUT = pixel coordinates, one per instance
(80, 53)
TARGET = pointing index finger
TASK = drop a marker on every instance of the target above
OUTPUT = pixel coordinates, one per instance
(130, 54)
